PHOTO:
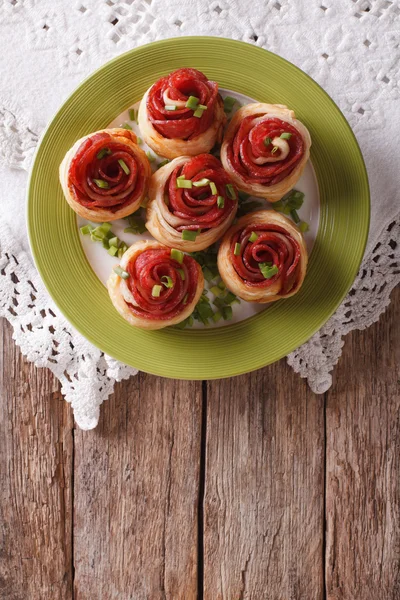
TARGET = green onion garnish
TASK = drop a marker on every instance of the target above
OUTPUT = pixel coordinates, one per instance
(101, 183)
(217, 291)
(208, 276)
(203, 106)
(182, 274)
(124, 166)
(103, 152)
(230, 298)
(236, 251)
(112, 250)
(150, 156)
(230, 190)
(220, 202)
(201, 182)
(181, 177)
(253, 237)
(229, 103)
(192, 102)
(170, 107)
(126, 126)
(155, 292)
(163, 163)
(184, 183)
(217, 316)
(101, 231)
(185, 299)
(304, 226)
(167, 281)
(267, 141)
(295, 216)
(177, 255)
(267, 270)
(198, 112)
(286, 135)
(222, 285)
(120, 272)
(274, 149)
(213, 188)
(122, 249)
(132, 114)
(189, 235)
(227, 313)
(86, 229)
(114, 241)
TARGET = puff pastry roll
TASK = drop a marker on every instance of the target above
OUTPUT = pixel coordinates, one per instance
(265, 150)
(156, 286)
(182, 114)
(105, 175)
(192, 202)
(263, 257)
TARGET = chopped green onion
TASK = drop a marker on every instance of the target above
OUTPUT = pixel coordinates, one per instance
(222, 285)
(86, 229)
(177, 255)
(208, 276)
(192, 102)
(220, 202)
(295, 215)
(182, 274)
(205, 311)
(304, 227)
(230, 298)
(198, 112)
(274, 149)
(132, 114)
(163, 163)
(227, 313)
(112, 250)
(167, 281)
(253, 237)
(184, 183)
(267, 141)
(185, 299)
(101, 230)
(150, 156)
(181, 177)
(213, 188)
(101, 183)
(286, 135)
(96, 238)
(126, 126)
(105, 243)
(122, 249)
(121, 272)
(229, 103)
(170, 107)
(201, 182)
(219, 303)
(103, 152)
(217, 316)
(139, 140)
(155, 292)
(114, 241)
(217, 291)
(124, 166)
(268, 271)
(236, 251)
(230, 190)
(203, 106)
(190, 235)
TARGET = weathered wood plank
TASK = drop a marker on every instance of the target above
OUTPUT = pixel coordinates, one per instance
(35, 480)
(263, 506)
(136, 494)
(363, 465)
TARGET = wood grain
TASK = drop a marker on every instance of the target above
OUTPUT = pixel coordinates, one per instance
(263, 506)
(35, 480)
(136, 494)
(363, 465)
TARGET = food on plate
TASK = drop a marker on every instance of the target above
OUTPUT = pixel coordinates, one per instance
(265, 150)
(192, 202)
(154, 286)
(182, 114)
(105, 175)
(263, 257)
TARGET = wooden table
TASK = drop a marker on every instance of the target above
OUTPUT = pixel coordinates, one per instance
(246, 488)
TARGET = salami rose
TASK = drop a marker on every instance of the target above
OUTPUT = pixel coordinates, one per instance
(265, 150)
(155, 286)
(105, 175)
(192, 202)
(182, 114)
(263, 257)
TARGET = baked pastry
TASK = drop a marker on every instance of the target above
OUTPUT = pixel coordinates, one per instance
(265, 150)
(192, 202)
(155, 286)
(182, 114)
(263, 257)
(105, 175)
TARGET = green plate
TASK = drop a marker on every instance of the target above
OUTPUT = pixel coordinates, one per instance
(255, 342)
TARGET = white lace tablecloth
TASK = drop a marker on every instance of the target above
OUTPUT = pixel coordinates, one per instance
(350, 47)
